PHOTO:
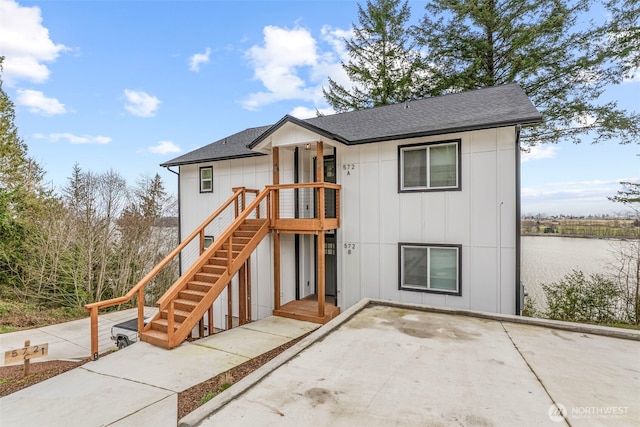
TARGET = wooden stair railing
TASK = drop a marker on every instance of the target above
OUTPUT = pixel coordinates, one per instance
(186, 302)
(236, 202)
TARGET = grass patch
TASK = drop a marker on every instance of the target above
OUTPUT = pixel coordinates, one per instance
(207, 397)
(16, 315)
(5, 380)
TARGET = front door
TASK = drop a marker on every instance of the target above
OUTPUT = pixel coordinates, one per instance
(330, 244)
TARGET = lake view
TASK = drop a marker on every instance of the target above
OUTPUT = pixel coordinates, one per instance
(547, 259)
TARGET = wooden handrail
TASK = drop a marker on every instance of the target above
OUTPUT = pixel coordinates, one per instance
(138, 289)
(305, 185)
(242, 212)
(217, 245)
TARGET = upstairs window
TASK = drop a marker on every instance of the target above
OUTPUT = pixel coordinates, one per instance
(430, 167)
(206, 179)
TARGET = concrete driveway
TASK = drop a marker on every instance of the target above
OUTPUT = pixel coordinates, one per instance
(381, 365)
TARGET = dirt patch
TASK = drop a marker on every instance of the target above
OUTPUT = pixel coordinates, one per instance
(12, 378)
(191, 399)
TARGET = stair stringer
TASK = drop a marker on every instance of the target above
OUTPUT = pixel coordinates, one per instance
(220, 285)
(181, 333)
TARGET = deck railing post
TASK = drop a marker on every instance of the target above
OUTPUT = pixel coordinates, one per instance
(230, 253)
(170, 320)
(229, 306)
(140, 309)
(94, 333)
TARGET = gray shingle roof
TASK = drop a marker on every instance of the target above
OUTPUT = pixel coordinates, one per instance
(478, 109)
(231, 147)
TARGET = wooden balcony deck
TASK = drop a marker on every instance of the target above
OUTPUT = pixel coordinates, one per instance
(305, 226)
(307, 310)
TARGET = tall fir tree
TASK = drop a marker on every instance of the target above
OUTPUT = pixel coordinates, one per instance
(471, 44)
(22, 196)
(383, 65)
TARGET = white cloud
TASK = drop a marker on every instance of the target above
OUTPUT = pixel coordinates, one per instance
(199, 58)
(307, 113)
(572, 197)
(38, 103)
(633, 76)
(79, 139)
(164, 147)
(25, 43)
(584, 120)
(291, 65)
(539, 152)
(140, 103)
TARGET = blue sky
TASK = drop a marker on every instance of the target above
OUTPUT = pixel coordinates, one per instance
(128, 85)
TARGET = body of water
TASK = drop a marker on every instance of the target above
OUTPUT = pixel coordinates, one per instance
(547, 259)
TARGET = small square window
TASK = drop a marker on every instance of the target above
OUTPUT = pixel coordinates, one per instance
(430, 268)
(429, 167)
(206, 179)
(208, 241)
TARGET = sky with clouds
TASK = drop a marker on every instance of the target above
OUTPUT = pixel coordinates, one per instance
(129, 85)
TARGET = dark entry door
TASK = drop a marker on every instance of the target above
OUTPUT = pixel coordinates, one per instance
(330, 248)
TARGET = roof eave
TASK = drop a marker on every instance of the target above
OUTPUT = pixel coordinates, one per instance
(217, 159)
(433, 132)
(299, 122)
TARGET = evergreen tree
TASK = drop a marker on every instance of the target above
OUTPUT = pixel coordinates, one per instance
(21, 192)
(383, 65)
(471, 44)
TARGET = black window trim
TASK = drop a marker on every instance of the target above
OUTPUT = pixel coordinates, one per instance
(200, 179)
(457, 141)
(430, 245)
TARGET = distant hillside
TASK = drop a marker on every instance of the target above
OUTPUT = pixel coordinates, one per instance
(581, 227)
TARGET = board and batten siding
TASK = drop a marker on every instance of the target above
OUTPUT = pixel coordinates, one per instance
(375, 217)
(253, 173)
(480, 217)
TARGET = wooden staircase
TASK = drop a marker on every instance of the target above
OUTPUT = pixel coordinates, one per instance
(185, 303)
(182, 307)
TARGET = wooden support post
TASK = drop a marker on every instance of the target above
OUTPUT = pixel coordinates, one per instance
(319, 161)
(320, 178)
(201, 241)
(321, 275)
(170, 327)
(276, 181)
(242, 295)
(27, 362)
(229, 307)
(94, 333)
(276, 271)
(230, 253)
(201, 328)
(210, 325)
(249, 318)
(276, 165)
(141, 310)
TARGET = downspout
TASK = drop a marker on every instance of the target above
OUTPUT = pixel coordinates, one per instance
(518, 285)
(179, 219)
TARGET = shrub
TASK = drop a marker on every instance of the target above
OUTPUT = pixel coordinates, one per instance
(579, 298)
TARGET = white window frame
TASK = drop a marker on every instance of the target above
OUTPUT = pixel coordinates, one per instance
(427, 147)
(427, 287)
(202, 180)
